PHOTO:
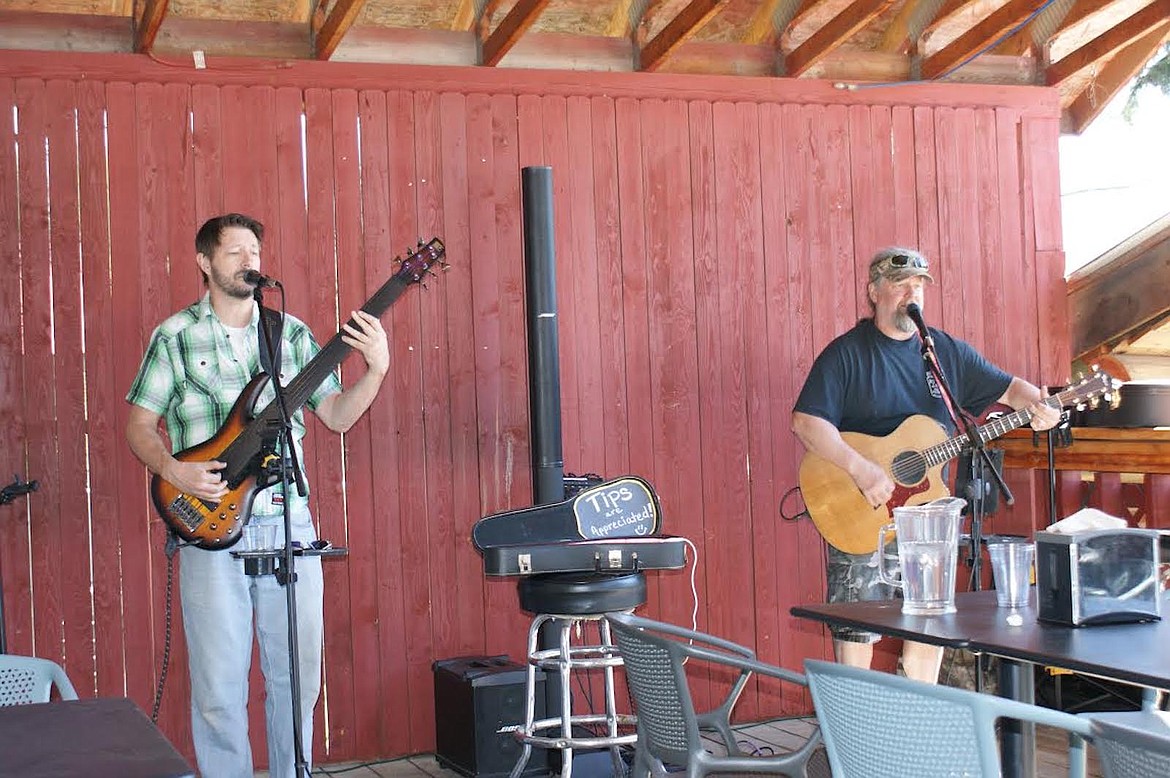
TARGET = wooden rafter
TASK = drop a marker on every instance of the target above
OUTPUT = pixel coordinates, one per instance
(762, 26)
(514, 25)
(1080, 11)
(1037, 31)
(840, 29)
(620, 25)
(941, 17)
(1110, 41)
(464, 17)
(153, 13)
(1120, 70)
(803, 10)
(337, 24)
(678, 30)
(978, 37)
(907, 25)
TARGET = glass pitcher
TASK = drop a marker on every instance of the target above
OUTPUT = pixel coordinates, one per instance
(928, 553)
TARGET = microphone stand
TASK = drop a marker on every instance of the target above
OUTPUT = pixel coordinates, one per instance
(977, 488)
(286, 573)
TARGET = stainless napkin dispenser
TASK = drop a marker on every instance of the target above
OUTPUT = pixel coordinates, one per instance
(1098, 576)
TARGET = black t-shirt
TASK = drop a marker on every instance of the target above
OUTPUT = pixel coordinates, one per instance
(867, 382)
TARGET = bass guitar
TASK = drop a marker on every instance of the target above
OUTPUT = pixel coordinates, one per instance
(913, 455)
(246, 442)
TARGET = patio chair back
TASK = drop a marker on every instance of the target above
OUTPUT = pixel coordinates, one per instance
(879, 724)
(655, 655)
(1132, 745)
(28, 679)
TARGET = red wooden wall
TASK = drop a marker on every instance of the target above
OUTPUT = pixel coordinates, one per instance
(712, 235)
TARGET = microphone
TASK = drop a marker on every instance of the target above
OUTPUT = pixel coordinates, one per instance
(255, 278)
(915, 314)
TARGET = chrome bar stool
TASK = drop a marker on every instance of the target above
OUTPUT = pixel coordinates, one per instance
(572, 600)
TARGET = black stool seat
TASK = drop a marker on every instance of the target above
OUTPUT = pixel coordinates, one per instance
(573, 594)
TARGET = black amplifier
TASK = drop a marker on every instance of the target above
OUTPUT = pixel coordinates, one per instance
(475, 698)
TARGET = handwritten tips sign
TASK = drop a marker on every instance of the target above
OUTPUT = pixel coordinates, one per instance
(623, 508)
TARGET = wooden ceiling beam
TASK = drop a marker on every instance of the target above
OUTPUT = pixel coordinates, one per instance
(1121, 69)
(620, 24)
(146, 28)
(804, 9)
(948, 9)
(677, 32)
(1109, 42)
(464, 16)
(1080, 11)
(337, 24)
(762, 27)
(840, 29)
(1114, 298)
(974, 40)
(1032, 37)
(514, 25)
(907, 25)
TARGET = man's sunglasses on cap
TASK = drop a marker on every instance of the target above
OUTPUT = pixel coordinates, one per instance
(905, 260)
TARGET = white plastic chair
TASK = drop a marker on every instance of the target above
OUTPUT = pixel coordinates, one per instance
(28, 679)
(880, 725)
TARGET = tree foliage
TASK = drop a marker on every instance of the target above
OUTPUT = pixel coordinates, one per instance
(1156, 74)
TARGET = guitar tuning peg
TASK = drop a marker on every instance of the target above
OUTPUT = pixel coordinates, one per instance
(420, 243)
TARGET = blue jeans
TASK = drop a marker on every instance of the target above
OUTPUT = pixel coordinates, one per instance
(219, 606)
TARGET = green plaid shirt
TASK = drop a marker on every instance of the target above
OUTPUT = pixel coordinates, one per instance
(191, 376)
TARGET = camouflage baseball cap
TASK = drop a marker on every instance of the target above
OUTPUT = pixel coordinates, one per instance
(898, 264)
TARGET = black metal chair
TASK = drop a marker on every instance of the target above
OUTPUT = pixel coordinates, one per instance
(669, 728)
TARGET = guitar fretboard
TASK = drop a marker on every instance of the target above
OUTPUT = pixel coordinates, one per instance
(952, 447)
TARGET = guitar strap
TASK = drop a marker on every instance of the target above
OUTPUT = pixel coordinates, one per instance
(933, 365)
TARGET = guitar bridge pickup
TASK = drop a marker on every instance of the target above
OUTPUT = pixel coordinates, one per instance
(187, 512)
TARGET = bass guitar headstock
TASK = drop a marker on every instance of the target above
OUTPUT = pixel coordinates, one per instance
(418, 261)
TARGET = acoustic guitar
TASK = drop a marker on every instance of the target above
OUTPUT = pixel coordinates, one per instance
(913, 455)
(247, 442)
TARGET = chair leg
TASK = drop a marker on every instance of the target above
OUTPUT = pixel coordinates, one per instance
(641, 767)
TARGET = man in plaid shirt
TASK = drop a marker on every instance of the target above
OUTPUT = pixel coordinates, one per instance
(198, 362)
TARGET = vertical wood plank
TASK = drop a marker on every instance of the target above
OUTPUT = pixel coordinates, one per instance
(448, 544)
(359, 731)
(106, 442)
(70, 433)
(40, 406)
(376, 571)
(415, 518)
(457, 292)
(672, 401)
(989, 299)
(1018, 342)
(14, 528)
(130, 327)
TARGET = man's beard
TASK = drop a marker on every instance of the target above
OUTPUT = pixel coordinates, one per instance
(231, 285)
(903, 323)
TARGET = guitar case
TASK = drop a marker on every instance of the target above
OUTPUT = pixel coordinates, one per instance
(625, 507)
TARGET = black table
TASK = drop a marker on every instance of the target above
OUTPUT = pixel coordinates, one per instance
(1131, 653)
(108, 736)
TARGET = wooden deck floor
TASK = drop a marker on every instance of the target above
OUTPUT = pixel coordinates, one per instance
(771, 736)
